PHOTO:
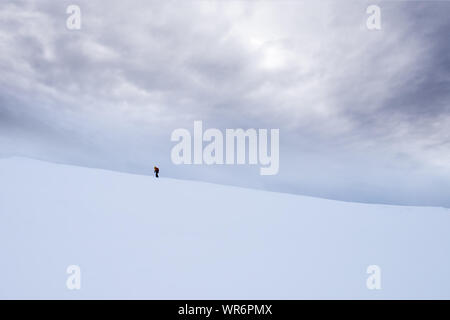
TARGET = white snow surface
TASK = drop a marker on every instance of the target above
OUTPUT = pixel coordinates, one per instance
(138, 237)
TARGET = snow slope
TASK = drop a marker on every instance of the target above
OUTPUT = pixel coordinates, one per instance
(138, 237)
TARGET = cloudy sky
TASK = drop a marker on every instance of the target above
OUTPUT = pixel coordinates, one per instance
(364, 115)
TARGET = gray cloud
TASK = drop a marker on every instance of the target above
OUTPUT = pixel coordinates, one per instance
(363, 115)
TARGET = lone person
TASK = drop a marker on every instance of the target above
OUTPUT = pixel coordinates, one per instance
(156, 171)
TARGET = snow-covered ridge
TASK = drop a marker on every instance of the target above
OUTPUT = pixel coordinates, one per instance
(140, 237)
